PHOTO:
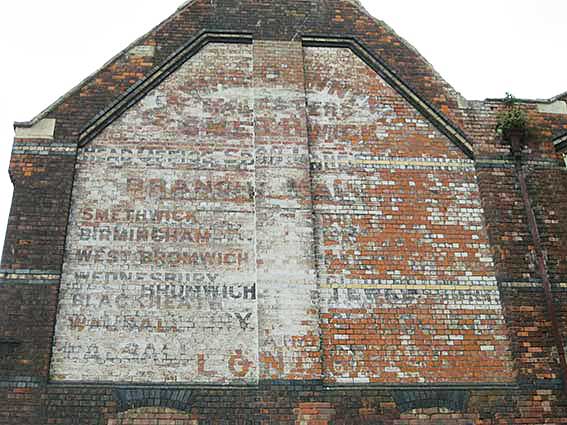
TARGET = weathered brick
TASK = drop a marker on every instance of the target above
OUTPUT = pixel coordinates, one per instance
(273, 227)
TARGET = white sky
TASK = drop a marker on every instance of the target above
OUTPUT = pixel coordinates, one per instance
(483, 48)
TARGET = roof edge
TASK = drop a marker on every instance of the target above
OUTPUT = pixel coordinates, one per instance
(84, 81)
(560, 142)
(411, 47)
(185, 52)
(553, 99)
(559, 96)
(442, 123)
(142, 87)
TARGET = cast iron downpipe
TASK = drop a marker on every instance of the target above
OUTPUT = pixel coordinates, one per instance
(515, 139)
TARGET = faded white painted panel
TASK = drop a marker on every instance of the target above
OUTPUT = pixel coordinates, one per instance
(159, 280)
(287, 284)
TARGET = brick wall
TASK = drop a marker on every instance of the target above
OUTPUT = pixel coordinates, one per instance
(404, 260)
(288, 313)
(406, 279)
(435, 416)
(152, 416)
(159, 282)
(292, 239)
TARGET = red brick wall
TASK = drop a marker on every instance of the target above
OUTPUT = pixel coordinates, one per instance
(404, 260)
(370, 332)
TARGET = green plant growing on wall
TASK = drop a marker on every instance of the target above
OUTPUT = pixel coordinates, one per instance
(512, 119)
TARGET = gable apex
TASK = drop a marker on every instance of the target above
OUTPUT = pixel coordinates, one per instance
(288, 20)
(139, 90)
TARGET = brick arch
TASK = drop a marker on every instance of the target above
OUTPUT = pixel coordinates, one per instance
(449, 400)
(152, 416)
(132, 398)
